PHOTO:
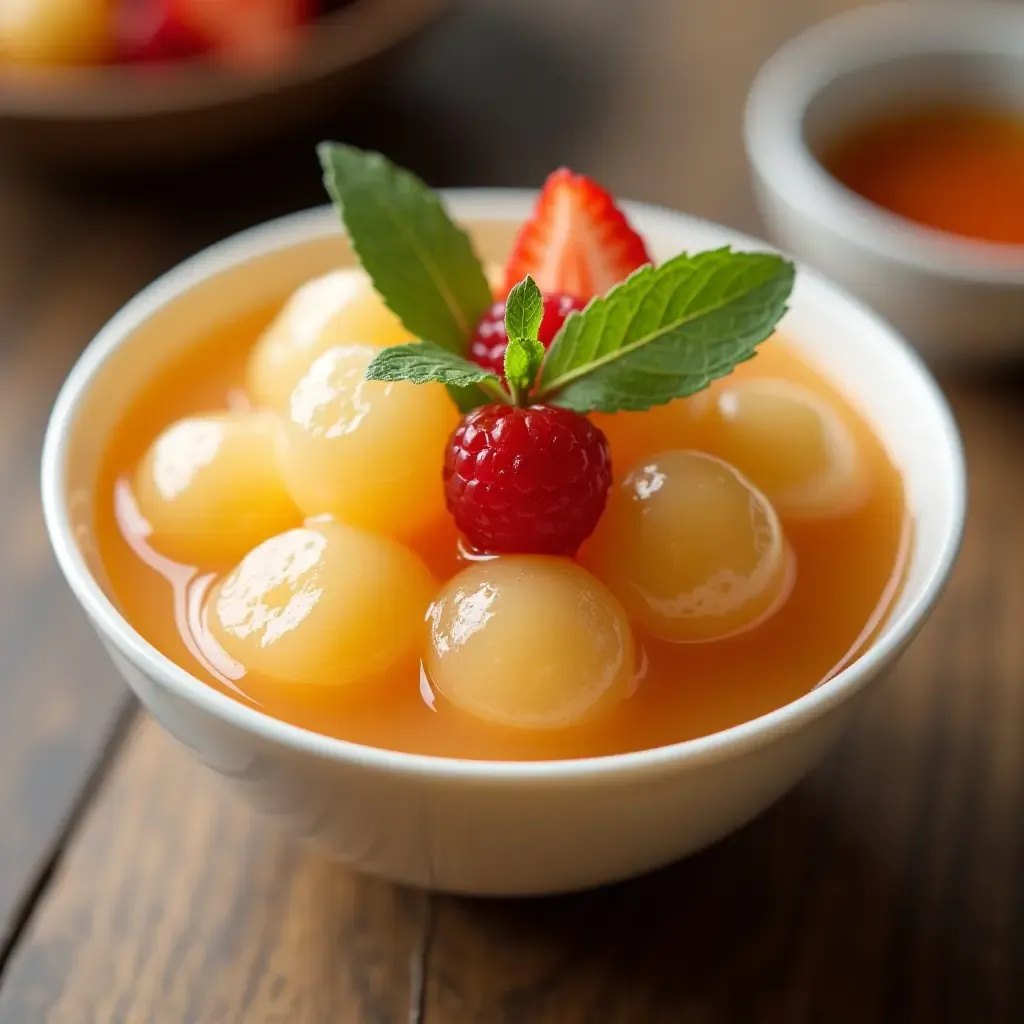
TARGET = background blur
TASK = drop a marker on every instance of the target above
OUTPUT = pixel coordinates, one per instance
(888, 887)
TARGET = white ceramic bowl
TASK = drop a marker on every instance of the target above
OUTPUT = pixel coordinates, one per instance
(953, 298)
(493, 827)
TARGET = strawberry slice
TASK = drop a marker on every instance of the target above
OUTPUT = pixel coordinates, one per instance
(578, 242)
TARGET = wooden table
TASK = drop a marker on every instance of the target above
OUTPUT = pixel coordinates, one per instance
(890, 886)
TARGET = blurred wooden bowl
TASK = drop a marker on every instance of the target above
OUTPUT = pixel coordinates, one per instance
(134, 116)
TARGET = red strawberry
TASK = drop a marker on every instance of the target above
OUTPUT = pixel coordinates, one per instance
(149, 30)
(531, 480)
(488, 344)
(578, 242)
(247, 31)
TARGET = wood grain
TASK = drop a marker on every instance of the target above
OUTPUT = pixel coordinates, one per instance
(173, 904)
(888, 887)
(59, 701)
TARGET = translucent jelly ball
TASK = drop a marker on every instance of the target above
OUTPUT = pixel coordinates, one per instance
(210, 487)
(340, 308)
(691, 548)
(789, 442)
(369, 453)
(529, 641)
(325, 604)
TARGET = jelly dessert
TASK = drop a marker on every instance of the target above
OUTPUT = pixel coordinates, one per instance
(695, 550)
(369, 452)
(581, 649)
(210, 488)
(545, 508)
(340, 308)
(325, 594)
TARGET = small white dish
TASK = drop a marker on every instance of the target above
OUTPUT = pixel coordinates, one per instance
(494, 827)
(954, 298)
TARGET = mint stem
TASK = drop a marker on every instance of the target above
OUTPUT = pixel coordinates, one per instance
(498, 394)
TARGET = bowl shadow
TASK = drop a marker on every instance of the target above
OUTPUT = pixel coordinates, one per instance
(793, 918)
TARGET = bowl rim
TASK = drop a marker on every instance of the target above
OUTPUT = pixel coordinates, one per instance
(482, 205)
(340, 39)
(858, 40)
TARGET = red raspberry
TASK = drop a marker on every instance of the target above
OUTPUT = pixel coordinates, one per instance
(531, 480)
(490, 340)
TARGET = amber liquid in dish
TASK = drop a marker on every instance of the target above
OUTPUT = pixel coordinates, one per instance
(844, 570)
(956, 170)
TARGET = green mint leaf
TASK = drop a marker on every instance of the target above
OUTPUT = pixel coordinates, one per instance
(469, 385)
(666, 332)
(422, 264)
(524, 310)
(422, 362)
(523, 358)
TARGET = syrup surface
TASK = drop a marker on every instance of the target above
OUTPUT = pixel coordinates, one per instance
(956, 170)
(847, 572)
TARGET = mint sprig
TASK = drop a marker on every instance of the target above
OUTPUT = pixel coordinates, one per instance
(469, 383)
(422, 264)
(523, 358)
(524, 311)
(422, 362)
(666, 332)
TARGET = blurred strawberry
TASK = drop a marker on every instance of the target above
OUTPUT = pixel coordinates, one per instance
(245, 31)
(149, 30)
